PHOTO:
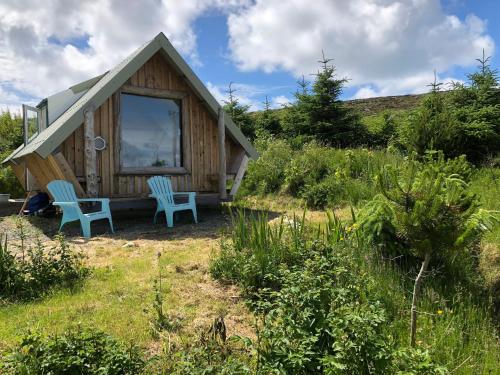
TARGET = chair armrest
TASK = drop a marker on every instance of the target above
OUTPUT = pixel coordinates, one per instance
(191, 195)
(94, 200)
(62, 204)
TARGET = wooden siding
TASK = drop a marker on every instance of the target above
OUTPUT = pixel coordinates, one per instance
(199, 139)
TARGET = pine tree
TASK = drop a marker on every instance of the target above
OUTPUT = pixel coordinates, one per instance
(318, 112)
(267, 121)
(477, 109)
(239, 113)
(432, 125)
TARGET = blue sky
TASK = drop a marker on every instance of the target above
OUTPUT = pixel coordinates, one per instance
(217, 68)
(385, 47)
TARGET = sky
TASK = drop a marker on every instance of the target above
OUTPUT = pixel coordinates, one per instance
(383, 47)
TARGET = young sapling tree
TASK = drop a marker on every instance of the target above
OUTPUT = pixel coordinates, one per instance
(428, 209)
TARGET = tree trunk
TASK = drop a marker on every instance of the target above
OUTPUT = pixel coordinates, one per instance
(416, 293)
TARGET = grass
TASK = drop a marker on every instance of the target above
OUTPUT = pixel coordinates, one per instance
(454, 324)
(118, 297)
(486, 184)
(455, 321)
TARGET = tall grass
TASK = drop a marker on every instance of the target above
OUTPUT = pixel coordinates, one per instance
(456, 327)
(253, 251)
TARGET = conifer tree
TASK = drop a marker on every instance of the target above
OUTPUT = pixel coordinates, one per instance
(477, 109)
(318, 112)
(432, 125)
(239, 113)
(267, 121)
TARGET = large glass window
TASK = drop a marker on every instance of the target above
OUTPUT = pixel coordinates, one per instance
(150, 132)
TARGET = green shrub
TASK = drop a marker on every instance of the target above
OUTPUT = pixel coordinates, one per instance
(267, 173)
(322, 320)
(9, 184)
(34, 270)
(311, 165)
(11, 136)
(77, 351)
(325, 320)
(327, 177)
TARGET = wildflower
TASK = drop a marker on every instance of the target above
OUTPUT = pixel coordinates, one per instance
(342, 238)
(440, 312)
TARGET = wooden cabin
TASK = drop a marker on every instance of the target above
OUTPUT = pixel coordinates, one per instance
(150, 115)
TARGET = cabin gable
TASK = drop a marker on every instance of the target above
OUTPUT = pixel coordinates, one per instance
(199, 138)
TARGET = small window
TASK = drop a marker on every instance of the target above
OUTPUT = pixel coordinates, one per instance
(150, 132)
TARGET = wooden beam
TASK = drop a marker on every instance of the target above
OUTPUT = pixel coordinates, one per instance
(60, 162)
(90, 153)
(222, 154)
(239, 175)
(160, 93)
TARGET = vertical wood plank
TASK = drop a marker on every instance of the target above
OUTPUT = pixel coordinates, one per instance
(90, 153)
(79, 157)
(222, 154)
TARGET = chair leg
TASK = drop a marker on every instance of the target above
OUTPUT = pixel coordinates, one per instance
(195, 214)
(156, 215)
(111, 224)
(170, 218)
(86, 229)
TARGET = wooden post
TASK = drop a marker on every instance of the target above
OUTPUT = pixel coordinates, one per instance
(90, 153)
(222, 155)
(239, 175)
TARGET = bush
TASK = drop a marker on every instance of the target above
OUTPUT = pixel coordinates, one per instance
(77, 351)
(11, 136)
(9, 184)
(325, 320)
(35, 270)
(267, 173)
(320, 309)
(327, 177)
(322, 320)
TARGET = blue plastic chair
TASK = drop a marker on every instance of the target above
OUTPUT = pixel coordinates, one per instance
(161, 190)
(65, 197)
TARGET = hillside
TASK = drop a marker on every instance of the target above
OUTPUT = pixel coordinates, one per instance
(374, 106)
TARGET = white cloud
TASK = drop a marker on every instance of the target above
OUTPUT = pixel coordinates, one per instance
(38, 55)
(279, 101)
(391, 45)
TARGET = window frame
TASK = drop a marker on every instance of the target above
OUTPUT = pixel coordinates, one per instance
(160, 94)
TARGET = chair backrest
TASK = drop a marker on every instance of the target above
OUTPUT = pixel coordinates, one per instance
(63, 191)
(161, 186)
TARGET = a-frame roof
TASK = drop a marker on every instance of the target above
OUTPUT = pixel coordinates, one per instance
(62, 127)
